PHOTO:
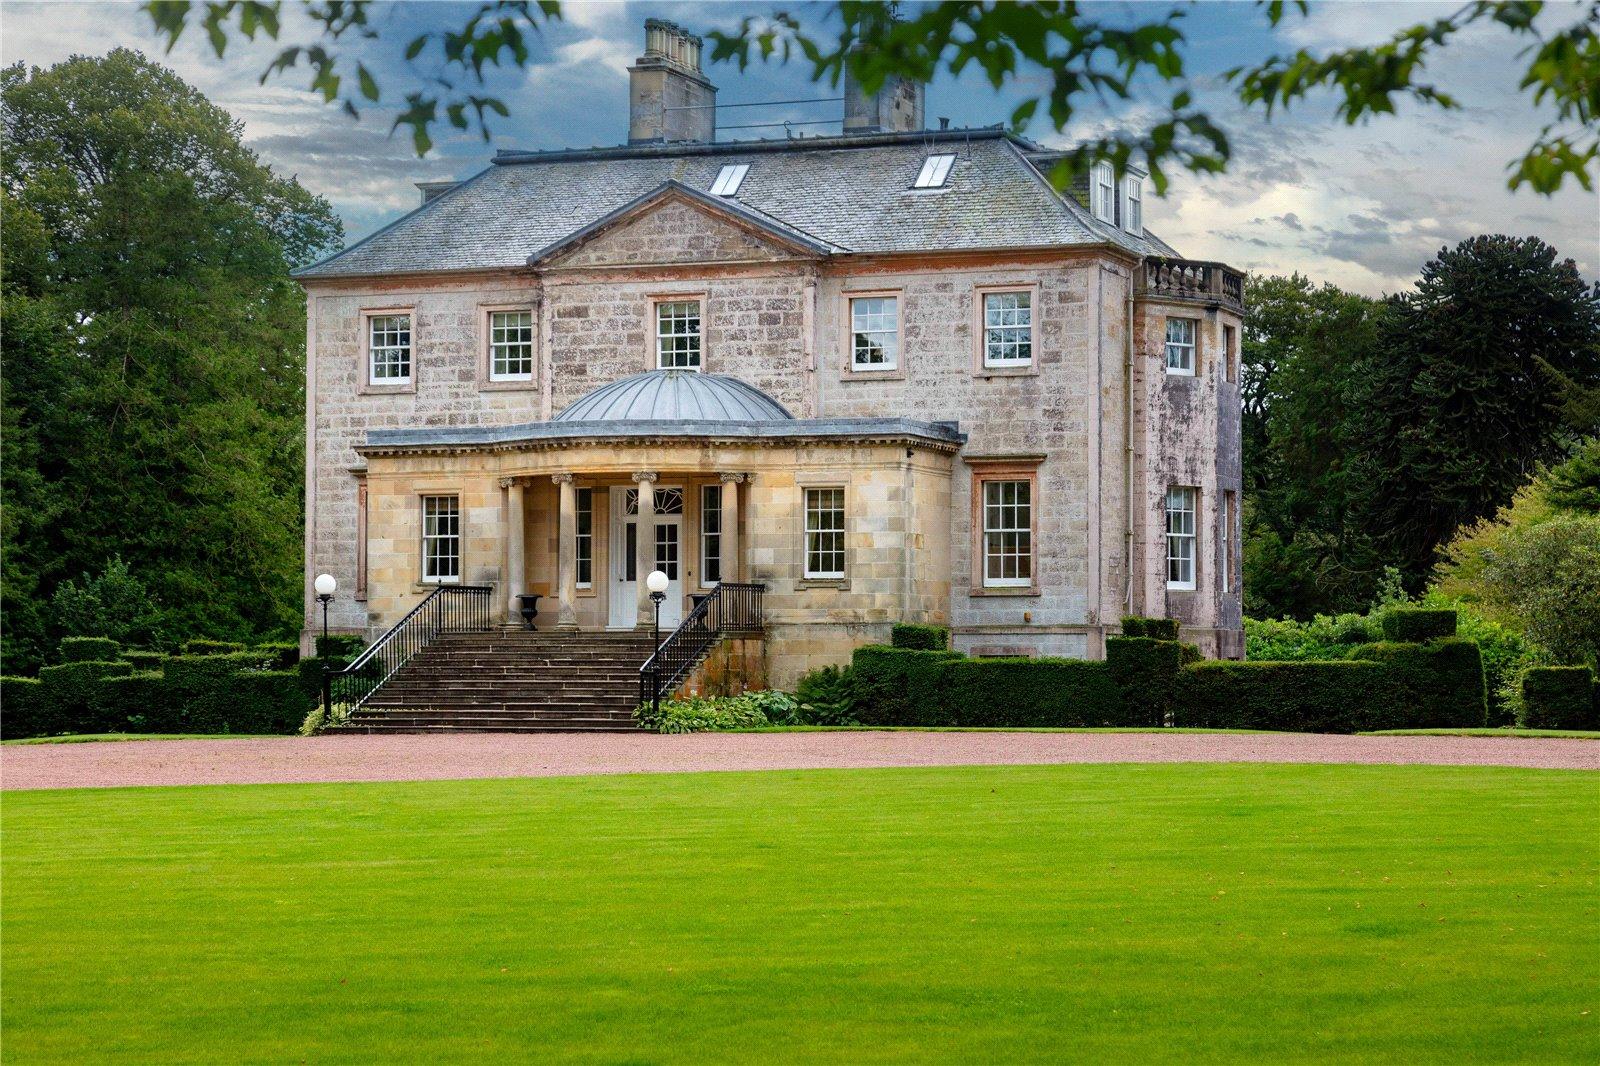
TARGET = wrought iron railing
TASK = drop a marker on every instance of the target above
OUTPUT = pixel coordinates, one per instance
(447, 609)
(1188, 279)
(731, 610)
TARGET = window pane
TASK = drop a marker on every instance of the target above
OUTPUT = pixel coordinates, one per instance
(678, 334)
(1181, 504)
(441, 538)
(1007, 328)
(667, 549)
(1180, 345)
(1007, 533)
(511, 344)
(875, 332)
(585, 550)
(824, 532)
(710, 534)
(389, 347)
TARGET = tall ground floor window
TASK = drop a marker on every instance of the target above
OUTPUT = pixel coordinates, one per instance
(1181, 505)
(710, 534)
(441, 538)
(825, 532)
(585, 545)
(1007, 534)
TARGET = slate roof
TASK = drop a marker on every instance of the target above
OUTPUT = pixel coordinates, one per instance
(852, 194)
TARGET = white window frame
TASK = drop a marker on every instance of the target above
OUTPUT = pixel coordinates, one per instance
(1003, 519)
(986, 325)
(497, 344)
(583, 548)
(729, 178)
(935, 171)
(710, 539)
(1183, 539)
(407, 351)
(696, 335)
(815, 506)
(1185, 352)
(448, 538)
(1103, 192)
(878, 319)
(1133, 204)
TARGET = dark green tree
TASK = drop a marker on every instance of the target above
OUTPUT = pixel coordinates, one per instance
(153, 353)
(1466, 392)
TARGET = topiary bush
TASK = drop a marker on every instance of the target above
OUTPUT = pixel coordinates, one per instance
(88, 650)
(20, 706)
(144, 660)
(1437, 685)
(1304, 697)
(139, 703)
(70, 697)
(277, 655)
(1415, 625)
(898, 686)
(1027, 693)
(210, 689)
(1154, 628)
(917, 637)
(1559, 697)
(266, 701)
(1145, 670)
(211, 647)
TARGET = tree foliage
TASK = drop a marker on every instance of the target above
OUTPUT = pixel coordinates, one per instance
(1076, 54)
(154, 353)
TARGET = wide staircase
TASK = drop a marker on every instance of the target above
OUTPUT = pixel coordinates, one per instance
(510, 681)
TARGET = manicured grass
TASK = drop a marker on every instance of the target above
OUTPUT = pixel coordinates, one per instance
(1571, 734)
(977, 729)
(90, 738)
(1092, 913)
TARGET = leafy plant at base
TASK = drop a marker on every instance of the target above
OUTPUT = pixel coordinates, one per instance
(827, 697)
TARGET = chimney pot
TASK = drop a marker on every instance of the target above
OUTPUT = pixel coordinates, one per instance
(669, 99)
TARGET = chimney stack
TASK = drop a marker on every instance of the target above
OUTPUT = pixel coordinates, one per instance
(894, 108)
(669, 99)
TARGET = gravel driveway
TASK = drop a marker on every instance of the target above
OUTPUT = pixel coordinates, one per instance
(425, 758)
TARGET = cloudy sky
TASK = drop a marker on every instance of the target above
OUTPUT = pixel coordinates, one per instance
(1361, 206)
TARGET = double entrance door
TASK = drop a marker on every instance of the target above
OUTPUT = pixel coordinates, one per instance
(668, 554)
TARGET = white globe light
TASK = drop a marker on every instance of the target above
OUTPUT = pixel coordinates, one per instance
(656, 582)
(325, 584)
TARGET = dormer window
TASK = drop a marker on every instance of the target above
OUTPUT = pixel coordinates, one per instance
(935, 169)
(729, 178)
(1103, 192)
(1133, 204)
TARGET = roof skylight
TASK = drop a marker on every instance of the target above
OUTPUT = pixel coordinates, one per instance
(935, 169)
(729, 178)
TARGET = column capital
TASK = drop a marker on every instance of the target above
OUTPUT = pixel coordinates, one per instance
(561, 479)
(729, 477)
(641, 476)
(508, 482)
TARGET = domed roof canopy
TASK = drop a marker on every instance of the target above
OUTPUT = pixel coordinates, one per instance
(673, 396)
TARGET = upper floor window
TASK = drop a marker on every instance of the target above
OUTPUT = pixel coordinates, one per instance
(678, 335)
(1181, 504)
(1103, 192)
(1133, 204)
(1180, 345)
(729, 178)
(510, 345)
(935, 171)
(1007, 534)
(441, 538)
(824, 533)
(874, 332)
(389, 349)
(1007, 328)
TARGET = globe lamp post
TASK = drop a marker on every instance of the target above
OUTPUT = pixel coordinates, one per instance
(657, 584)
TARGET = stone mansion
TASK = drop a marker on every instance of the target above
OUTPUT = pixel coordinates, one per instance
(891, 375)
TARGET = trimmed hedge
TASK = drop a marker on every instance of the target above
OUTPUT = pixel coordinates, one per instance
(898, 686)
(1437, 685)
(70, 698)
(211, 647)
(1560, 697)
(138, 703)
(1415, 625)
(1154, 628)
(1026, 693)
(346, 645)
(143, 660)
(89, 650)
(919, 637)
(19, 706)
(1146, 671)
(1330, 696)
(281, 655)
(267, 701)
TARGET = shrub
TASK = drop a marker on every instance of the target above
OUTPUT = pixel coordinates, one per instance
(778, 708)
(210, 692)
(144, 660)
(70, 697)
(1146, 672)
(277, 655)
(140, 703)
(1354, 633)
(919, 637)
(1023, 693)
(701, 713)
(1154, 628)
(1324, 637)
(20, 706)
(827, 697)
(1306, 697)
(1559, 697)
(211, 647)
(1414, 625)
(341, 645)
(266, 701)
(898, 686)
(1428, 686)
(88, 650)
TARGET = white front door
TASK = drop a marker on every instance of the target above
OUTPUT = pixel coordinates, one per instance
(668, 554)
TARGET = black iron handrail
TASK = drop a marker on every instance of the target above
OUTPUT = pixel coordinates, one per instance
(447, 609)
(731, 609)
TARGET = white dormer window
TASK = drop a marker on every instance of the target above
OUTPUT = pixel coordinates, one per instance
(729, 178)
(1103, 192)
(1133, 205)
(935, 169)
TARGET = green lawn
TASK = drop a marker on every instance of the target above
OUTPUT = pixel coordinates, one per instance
(1568, 734)
(90, 738)
(1129, 913)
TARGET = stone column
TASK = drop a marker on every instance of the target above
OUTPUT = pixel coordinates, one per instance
(730, 526)
(516, 553)
(567, 554)
(645, 554)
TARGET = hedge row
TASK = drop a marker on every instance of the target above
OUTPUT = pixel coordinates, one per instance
(1560, 697)
(919, 637)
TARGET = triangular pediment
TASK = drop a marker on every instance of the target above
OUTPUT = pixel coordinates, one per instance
(674, 224)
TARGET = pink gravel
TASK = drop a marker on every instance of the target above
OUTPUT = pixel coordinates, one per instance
(444, 757)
